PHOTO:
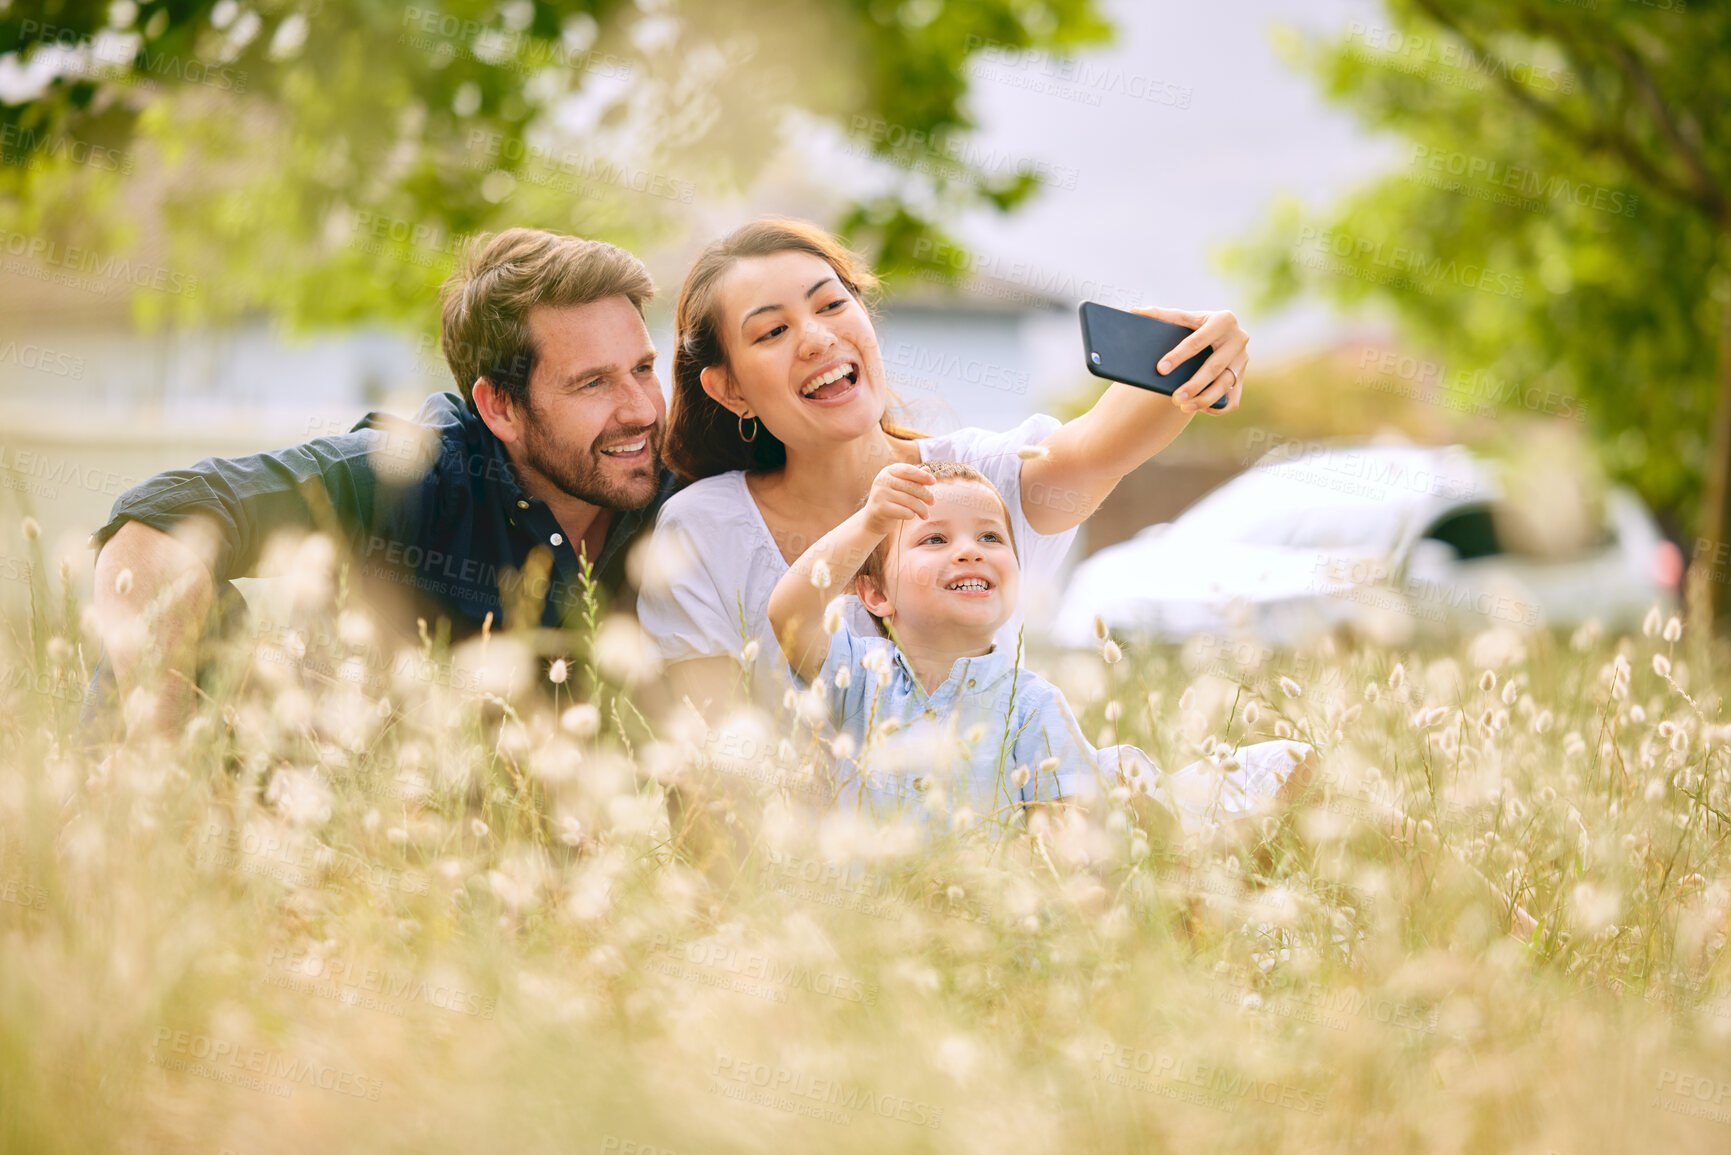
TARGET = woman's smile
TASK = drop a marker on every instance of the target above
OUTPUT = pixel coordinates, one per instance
(834, 383)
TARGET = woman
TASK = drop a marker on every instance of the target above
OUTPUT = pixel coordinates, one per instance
(780, 420)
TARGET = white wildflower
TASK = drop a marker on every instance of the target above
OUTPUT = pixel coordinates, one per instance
(123, 582)
(1596, 909)
(1372, 693)
(1113, 711)
(559, 672)
(1020, 778)
(842, 746)
(843, 678)
(32, 529)
(1290, 688)
(1510, 693)
(1032, 452)
(477, 828)
(1650, 623)
(1673, 629)
(581, 721)
(623, 651)
(832, 616)
(820, 578)
(354, 628)
(1397, 676)
(1488, 681)
(1542, 724)
(300, 796)
(1662, 665)
(1111, 652)
(1099, 628)
(748, 654)
(1251, 713)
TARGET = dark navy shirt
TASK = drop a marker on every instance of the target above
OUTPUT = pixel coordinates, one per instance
(431, 512)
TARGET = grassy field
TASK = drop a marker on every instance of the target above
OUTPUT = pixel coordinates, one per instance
(392, 902)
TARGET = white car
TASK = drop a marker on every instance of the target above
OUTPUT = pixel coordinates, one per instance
(1388, 541)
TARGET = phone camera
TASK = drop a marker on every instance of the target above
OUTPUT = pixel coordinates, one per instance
(1094, 357)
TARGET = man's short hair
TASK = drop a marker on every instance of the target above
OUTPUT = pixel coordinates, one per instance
(484, 322)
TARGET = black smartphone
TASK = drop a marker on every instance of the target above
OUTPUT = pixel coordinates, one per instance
(1126, 347)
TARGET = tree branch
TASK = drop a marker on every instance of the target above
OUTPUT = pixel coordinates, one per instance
(1585, 137)
(1707, 188)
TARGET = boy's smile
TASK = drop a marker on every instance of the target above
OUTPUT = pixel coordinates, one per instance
(951, 578)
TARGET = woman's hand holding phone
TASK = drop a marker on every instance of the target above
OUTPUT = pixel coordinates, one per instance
(1222, 374)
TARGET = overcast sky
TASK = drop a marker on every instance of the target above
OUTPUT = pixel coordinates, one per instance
(1158, 186)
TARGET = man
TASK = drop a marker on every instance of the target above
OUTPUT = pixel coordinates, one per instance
(550, 458)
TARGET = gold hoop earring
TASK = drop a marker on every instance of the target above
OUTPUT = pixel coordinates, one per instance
(754, 424)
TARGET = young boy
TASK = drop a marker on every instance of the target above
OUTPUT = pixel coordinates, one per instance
(933, 711)
(937, 708)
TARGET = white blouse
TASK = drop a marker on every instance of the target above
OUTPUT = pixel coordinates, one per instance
(714, 562)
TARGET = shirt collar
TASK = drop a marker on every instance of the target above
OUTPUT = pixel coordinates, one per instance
(968, 674)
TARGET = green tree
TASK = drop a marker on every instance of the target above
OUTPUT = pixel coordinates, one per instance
(1558, 226)
(325, 159)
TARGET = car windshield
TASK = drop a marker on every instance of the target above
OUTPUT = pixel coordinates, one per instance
(1341, 502)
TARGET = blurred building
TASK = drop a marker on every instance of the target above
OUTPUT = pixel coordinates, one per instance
(89, 405)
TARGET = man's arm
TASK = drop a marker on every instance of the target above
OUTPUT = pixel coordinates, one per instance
(153, 594)
(1087, 457)
(174, 537)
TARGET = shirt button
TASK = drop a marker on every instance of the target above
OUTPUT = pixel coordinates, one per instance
(522, 505)
(970, 683)
(557, 539)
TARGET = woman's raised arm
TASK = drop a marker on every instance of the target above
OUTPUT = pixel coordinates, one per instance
(1087, 457)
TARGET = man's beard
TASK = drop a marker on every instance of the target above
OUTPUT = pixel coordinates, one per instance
(581, 472)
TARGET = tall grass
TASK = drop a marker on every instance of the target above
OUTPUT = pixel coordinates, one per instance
(426, 903)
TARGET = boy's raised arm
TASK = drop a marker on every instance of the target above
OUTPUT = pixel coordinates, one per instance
(899, 493)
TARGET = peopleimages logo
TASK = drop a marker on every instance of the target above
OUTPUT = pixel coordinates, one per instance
(19, 145)
(221, 1060)
(1383, 258)
(118, 57)
(75, 259)
(799, 1093)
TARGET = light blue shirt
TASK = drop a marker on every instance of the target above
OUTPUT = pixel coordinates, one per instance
(961, 745)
